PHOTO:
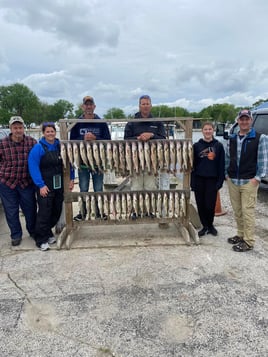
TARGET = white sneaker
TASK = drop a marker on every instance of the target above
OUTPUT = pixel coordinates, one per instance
(44, 247)
(51, 240)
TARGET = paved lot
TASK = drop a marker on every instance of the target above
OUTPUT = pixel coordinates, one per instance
(160, 299)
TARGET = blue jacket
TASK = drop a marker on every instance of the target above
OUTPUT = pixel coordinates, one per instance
(34, 159)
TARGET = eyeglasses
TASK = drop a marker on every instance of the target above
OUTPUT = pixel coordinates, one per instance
(49, 123)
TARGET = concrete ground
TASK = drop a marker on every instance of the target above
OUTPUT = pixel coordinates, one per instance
(143, 293)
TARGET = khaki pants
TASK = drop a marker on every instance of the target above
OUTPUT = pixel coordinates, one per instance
(243, 199)
(144, 181)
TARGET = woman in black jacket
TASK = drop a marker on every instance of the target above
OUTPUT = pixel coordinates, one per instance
(207, 177)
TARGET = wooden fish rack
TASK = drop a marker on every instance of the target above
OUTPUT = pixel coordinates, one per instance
(166, 214)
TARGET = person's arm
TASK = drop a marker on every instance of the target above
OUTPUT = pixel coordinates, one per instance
(34, 165)
(262, 166)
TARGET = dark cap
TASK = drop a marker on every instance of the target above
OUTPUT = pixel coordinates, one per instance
(88, 98)
(245, 113)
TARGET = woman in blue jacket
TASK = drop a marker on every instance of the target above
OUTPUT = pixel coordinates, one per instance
(46, 169)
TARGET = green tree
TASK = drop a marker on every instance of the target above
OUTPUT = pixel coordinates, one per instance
(219, 113)
(17, 99)
(114, 113)
(60, 109)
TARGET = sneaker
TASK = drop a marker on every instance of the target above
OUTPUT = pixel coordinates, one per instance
(242, 247)
(234, 240)
(44, 247)
(52, 240)
(15, 242)
(78, 218)
(203, 231)
(212, 230)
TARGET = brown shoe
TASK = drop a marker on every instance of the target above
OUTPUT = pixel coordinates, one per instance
(242, 247)
(235, 240)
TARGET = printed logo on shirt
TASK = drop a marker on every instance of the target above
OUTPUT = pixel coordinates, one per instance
(208, 152)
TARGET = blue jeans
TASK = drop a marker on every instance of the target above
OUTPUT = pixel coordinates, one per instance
(12, 200)
(84, 180)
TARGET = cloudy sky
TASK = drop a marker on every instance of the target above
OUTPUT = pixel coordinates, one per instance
(189, 53)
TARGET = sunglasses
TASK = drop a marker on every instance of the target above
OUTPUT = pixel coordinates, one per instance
(49, 123)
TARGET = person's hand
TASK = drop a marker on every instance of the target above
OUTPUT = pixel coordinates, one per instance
(44, 191)
(254, 182)
(71, 185)
(90, 136)
(145, 136)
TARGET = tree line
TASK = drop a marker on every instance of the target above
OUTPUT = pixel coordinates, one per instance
(18, 99)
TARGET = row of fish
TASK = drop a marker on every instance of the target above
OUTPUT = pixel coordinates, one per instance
(128, 157)
(124, 206)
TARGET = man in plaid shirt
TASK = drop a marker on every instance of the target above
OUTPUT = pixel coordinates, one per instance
(16, 187)
(246, 163)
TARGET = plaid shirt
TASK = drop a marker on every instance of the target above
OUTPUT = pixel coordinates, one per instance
(14, 161)
(262, 159)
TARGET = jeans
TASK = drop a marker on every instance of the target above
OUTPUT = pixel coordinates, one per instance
(84, 181)
(12, 200)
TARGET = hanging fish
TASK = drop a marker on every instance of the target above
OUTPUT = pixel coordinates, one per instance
(83, 153)
(154, 157)
(63, 154)
(165, 205)
(128, 158)
(116, 157)
(135, 159)
(171, 205)
(166, 156)
(141, 155)
(124, 206)
(147, 204)
(96, 155)
(182, 205)
(102, 156)
(88, 207)
(141, 204)
(100, 206)
(160, 155)
(70, 153)
(118, 206)
(122, 159)
(172, 151)
(190, 154)
(109, 153)
(179, 155)
(105, 205)
(77, 158)
(184, 156)
(112, 206)
(177, 204)
(153, 203)
(135, 204)
(81, 206)
(147, 155)
(90, 157)
(129, 205)
(159, 205)
(93, 207)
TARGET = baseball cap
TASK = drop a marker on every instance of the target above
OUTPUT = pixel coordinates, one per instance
(88, 98)
(244, 113)
(16, 119)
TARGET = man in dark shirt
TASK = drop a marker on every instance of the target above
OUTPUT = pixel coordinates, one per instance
(89, 131)
(16, 187)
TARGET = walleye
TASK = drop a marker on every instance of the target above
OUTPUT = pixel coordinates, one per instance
(103, 156)
(184, 156)
(96, 155)
(93, 207)
(118, 206)
(171, 207)
(159, 205)
(141, 155)
(112, 206)
(179, 155)
(109, 153)
(63, 154)
(129, 205)
(83, 153)
(135, 204)
(182, 205)
(177, 205)
(122, 159)
(100, 206)
(88, 208)
(147, 156)
(141, 204)
(166, 156)
(81, 206)
(154, 157)
(190, 154)
(172, 151)
(147, 204)
(124, 206)
(70, 153)
(77, 159)
(165, 205)
(128, 158)
(160, 154)
(90, 157)
(105, 206)
(153, 203)
(116, 157)
(135, 159)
